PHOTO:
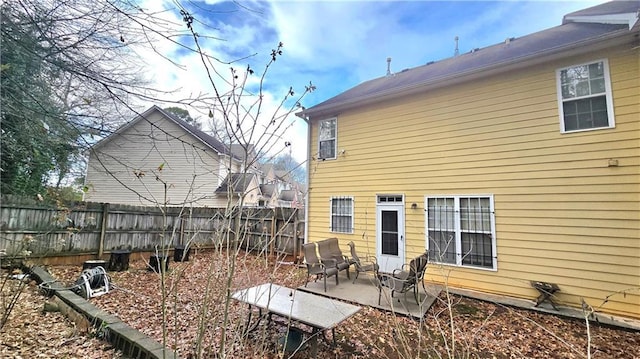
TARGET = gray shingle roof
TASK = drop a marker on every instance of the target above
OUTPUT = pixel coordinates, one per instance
(239, 183)
(241, 151)
(198, 133)
(267, 189)
(498, 57)
(287, 195)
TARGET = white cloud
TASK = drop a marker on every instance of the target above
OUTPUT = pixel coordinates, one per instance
(336, 44)
(190, 79)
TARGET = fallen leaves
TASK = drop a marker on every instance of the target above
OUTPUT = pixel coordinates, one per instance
(33, 333)
(195, 321)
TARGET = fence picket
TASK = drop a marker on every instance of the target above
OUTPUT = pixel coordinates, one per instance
(96, 228)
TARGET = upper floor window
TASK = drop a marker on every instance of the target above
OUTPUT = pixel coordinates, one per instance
(342, 214)
(461, 230)
(584, 97)
(327, 139)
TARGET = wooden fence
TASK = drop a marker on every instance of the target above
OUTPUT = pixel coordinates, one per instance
(95, 228)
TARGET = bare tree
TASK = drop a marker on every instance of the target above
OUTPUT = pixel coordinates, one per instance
(77, 67)
(89, 56)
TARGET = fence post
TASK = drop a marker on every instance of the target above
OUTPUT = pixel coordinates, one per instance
(296, 250)
(103, 229)
(273, 239)
(181, 216)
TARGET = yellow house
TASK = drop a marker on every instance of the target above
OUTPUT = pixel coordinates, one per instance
(514, 163)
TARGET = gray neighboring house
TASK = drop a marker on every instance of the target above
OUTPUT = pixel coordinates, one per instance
(158, 154)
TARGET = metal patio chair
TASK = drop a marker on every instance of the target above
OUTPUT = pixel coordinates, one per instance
(329, 251)
(362, 264)
(406, 278)
(321, 269)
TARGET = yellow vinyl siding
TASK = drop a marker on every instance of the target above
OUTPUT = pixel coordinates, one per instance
(563, 215)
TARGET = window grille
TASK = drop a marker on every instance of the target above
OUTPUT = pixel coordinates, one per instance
(460, 230)
(342, 214)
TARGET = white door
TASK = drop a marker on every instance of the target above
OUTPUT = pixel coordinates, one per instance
(390, 232)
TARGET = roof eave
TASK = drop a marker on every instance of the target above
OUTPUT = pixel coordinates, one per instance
(630, 19)
(594, 44)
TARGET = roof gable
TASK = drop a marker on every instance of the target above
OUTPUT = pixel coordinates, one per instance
(200, 135)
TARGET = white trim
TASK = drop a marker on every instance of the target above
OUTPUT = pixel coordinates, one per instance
(335, 139)
(628, 18)
(607, 93)
(457, 228)
(353, 215)
(378, 195)
(389, 262)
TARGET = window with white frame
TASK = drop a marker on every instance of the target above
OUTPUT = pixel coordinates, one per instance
(461, 230)
(342, 214)
(584, 97)
(327, 139)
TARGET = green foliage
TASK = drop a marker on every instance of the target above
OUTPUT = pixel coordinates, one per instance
(35, 138)
(64, 195)
(180, 113)
(183, 115)
(64, 77)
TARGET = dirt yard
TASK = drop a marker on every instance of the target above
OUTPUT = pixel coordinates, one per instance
(480, 329)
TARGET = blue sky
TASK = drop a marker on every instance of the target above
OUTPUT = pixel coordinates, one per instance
(339, 44)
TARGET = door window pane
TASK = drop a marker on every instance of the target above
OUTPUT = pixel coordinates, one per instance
(389, 231)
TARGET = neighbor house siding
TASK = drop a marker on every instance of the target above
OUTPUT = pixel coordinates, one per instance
(189, 167)
(563, 215)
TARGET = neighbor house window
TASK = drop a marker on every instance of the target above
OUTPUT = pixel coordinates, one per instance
(461, 230)
(327, 139)
(584, 97)
(342, 214)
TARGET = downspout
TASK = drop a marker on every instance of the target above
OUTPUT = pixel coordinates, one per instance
(306, 195)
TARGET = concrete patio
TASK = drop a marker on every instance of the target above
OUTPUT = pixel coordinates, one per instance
(365, 292)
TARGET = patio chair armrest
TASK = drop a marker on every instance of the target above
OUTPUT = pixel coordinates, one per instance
(400, 274)
(391, 282)
(328, 262)
(371, 259)
(366, 262)
(316, 265)
(399, 279)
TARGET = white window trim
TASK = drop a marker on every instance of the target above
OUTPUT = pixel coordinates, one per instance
(335, 140)
(608, 96)
(351, 230)
(458, 230)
